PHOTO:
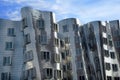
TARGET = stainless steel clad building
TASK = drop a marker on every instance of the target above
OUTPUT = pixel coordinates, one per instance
(39, 48)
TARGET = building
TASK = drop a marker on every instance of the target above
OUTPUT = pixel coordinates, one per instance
(39, 48)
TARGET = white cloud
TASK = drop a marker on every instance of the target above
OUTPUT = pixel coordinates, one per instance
(83, 9)
(13, 15)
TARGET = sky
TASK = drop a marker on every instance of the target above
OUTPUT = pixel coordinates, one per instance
(84, 10)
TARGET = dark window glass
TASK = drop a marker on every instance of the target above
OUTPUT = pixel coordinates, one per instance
(106, 53)
(105, 41)
(9, 46)
(45, 55)
(109, 78)
(41, 24)
(112, 54)
(65, 28)
(11, 32)
(107, 66)
(6, 61)
(27, 39)
(114, 67)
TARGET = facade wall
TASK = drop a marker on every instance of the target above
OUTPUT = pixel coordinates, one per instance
(11, 49)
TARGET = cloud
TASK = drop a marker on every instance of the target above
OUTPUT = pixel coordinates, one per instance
(14, 15)
(85, 10)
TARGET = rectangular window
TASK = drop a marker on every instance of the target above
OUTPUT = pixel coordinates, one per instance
(65, 28)
(116, 78)
(107, 65)
(114, 67)
(28, 56)
(110, 43)
(11, 32)
(57, 58)
(109, 78)
(45, 55)
(63, 55)
(27, 39)
(6, 61)
(9, 45)
(69, 66)
(64, 68)
(31, 73)
(56, 41)
(105, 41)
(62, 44)
(67, 52)
(81, 78)
(57, 74)
(112, 54)
(106, 53)
(55, 26)
(48, 73)
(6, 76)
(41, 24)
(24, 22)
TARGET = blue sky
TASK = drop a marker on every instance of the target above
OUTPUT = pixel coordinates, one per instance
(84, 10)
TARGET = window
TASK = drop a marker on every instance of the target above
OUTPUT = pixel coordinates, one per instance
(110, 43)
(41, 24)
(107, 65)
(67, 52)
(7, 61)
(9, 45)
(109, 36)
(64, 68)
(29, 55)
(57, 74)
(48, 73)
(57, 58)
(116, 78)
(63, 55)
(56, 42)
(6, 76)
(114, 67)
(109, 78)
(69, 66)
(75, 27)
(11, 32)
(43, 38)
(106, 53)
(112, 54)
(81, 78)
(30, 73)
(65, 28)
(117, 43)
(24, 22)
(105, 40)
(27, 39)
(67, 40)
(45, 55)
(56, 27)
(62, 43)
